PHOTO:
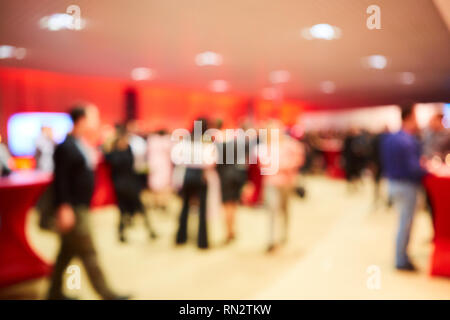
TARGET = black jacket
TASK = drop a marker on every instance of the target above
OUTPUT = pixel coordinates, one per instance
(73, 179)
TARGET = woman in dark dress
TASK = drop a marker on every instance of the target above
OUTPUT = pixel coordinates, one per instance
(233, 176)
(126, 183)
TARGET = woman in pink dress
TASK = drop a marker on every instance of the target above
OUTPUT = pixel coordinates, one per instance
(160, 167)
(280, 157)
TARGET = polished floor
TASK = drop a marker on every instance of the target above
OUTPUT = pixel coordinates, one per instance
(340, 247)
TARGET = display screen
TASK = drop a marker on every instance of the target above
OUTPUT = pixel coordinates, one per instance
(24, 128)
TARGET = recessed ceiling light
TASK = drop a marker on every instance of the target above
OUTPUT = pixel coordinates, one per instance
(279, 76)
(376, 61)
(61, 21)
(20, 53)
(407, 78)
(218, 86)
(322, 31)
(8, 52)
(208, 58)
(327, 87)
(141, 74)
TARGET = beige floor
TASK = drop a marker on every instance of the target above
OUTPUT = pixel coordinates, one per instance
(335, 237)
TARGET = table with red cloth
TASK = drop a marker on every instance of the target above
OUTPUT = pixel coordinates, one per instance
(333, 163)
(18, 194)
(438, 190)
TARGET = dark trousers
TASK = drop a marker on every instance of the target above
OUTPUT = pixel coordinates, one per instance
(190, 192)
(78, 243)
(125, 221)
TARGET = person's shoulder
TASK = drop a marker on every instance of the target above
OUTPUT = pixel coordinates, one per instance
(66, 144)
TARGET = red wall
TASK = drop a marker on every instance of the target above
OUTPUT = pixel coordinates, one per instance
(158, 106)
(32, 90)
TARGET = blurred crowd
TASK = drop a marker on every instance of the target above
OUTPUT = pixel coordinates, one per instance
(223, 178)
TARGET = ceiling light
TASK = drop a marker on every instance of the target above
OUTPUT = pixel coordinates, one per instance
(279, 76)
(60, 21)
(218, 86)
(407, 78)
(208, 58)
(376, 61)
(8, 52)
(322, 31)
(141, 74)
(328, 87)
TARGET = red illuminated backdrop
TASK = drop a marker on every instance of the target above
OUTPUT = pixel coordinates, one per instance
(158, 106)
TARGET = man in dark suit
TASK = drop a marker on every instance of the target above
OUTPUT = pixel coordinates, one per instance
(74, 184)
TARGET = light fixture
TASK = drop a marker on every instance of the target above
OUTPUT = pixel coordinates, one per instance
(279, 76)
(208, 58)
(376, 61)
(218, 86)
(61, 21)
(141, 74)
(322, 31)
(327, 87)
(9, 52)
(407, 78)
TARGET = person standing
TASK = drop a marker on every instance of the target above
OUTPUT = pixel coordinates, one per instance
(74, 184)
(401, 154)
(126, 183)
(284, 153)
(160, 168)
(138, 147)
(45, 146)
(4, 159)
(198, 156)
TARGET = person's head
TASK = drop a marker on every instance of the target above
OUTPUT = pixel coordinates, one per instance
(218, 124)
(47, 131)
(85, 118)
(121, 141)
(200, 127)
(436, 122)
(132, 126)
(274, 130)
(161, 132)
(409, 121)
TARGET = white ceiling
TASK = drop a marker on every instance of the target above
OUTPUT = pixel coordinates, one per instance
(254, 37)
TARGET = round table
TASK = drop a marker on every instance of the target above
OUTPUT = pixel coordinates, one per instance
(438, 189)
(18, 193)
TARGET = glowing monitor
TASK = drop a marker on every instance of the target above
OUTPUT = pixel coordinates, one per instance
(24, 128)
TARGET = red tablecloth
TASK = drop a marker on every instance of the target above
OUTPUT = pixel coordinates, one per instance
(104, 190)
(18, 261)
(18, 194)
(333, 163)
(438, 189)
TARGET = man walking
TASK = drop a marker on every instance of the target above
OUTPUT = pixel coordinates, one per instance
(401, 164)
(74, 164)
